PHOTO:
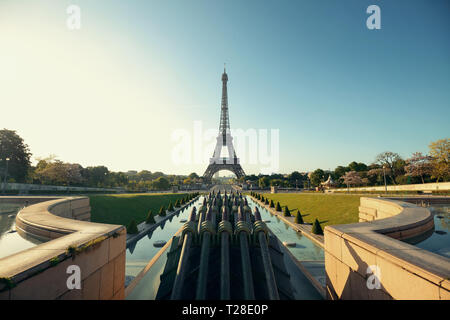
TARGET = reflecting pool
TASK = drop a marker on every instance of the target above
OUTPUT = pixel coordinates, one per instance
(438, 239)
(10, 240)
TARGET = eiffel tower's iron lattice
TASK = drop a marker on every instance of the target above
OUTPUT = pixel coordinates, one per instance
(224, 139)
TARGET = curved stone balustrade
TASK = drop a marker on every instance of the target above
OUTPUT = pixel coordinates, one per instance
(354, 253)
(41, 271)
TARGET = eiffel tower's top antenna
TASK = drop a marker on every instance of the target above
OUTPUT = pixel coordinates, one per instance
(224, 118)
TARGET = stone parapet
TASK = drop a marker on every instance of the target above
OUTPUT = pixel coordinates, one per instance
(41, 272)
(354, 253)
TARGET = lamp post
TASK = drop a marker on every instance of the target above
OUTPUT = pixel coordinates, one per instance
(384, 174)
(6, 174)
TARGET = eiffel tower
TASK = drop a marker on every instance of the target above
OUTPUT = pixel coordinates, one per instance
(231, 163)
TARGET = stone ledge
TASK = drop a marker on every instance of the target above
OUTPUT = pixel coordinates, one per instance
(357, 246)
(94, 246)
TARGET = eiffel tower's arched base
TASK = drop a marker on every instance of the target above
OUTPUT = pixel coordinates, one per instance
(215, 167)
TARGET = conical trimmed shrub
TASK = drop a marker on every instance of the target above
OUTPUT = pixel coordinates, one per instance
(177, 204)
(170, 208)
(162, 212)
(278, 208)
(271, 205)
(132, 227)
(316, 228)
(262, 198)
(150, 219)
(266, 201)
(299, 218)
(287, 213)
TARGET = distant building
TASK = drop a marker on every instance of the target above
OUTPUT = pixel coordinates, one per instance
(328, 184)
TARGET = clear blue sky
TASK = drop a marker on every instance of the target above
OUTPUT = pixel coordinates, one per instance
(337, 91)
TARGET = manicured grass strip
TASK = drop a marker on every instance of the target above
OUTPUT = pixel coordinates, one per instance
(329, 209)
(122, 208)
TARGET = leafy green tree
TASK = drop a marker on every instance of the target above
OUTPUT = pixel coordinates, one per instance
(316, 228)
(13, 147)
(440, 154)
(317, 177)
(263, 182)
(357, 166)
(298, 218)
(161, 183)
(150, 219)
(132, 227)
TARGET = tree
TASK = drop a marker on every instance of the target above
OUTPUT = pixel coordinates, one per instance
(58, 172)
(352, 178)
(170, 208)
(286, 213)
(13, 147)
(263, 182)
(193, 176)
(439, 152)
(390, 160)
(418, 166)
(298, 218)
(357, 166)
(316, 228)
(161, 183)
(339, 172)
(95, 176)
(132, 227)
(278, 208)
(317, 177)
(271, 205)
(150, 219)
(162, 211)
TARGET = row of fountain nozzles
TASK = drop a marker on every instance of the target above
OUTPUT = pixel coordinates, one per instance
(240, 215)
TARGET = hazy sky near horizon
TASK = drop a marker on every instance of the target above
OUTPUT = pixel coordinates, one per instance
(114, 92)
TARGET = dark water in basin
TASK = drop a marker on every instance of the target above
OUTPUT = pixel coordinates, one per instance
(10, 240)
(437, 240)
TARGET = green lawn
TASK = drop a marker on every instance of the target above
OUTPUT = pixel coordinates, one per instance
(122, 208)
(328, 208)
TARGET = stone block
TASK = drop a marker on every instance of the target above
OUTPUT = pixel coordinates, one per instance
(74, 294)
(107, 281)
(333, 243)
(403, 285)
(4, 295)
(91, 286)
(342, 287)
(119, 273)
(117, 245)
(357, 258)
(92, 258)
(444, 294)
(47, 285)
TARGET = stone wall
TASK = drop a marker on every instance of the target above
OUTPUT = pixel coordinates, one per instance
(41, 272)
(354, 253)
(441, 186)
